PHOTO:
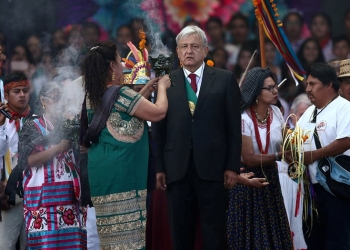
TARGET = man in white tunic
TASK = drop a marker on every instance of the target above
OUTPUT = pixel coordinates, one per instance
(16, 93)
(329, 114)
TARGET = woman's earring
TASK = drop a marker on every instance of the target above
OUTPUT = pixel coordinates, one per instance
(43, 106)
(113, 77)
(257, 101)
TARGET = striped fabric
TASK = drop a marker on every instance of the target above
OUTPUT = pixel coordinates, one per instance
(49, 194)
(53, 215)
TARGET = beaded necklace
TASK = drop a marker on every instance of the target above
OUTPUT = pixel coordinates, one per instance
(257, 116)
(257, 134)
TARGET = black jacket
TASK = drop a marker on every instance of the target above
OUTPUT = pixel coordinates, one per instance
(212, 134)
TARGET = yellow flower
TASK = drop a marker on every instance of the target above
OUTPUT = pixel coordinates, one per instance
(210, 63)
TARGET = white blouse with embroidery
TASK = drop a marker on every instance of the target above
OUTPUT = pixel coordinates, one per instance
(276, 126)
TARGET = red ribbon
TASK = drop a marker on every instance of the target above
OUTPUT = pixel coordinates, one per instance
(15, 84)
(257, 134)
(17, 117)
(297, 204)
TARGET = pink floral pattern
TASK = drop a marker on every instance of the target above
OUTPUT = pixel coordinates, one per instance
(67, 216)
(59, 171)
(51, 202)
(199, 10)
(226, 8)
(63, 167)
(38, 220)
(178, 11)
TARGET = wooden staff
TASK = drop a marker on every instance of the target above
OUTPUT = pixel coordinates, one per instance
(247, 68)
(262, 46)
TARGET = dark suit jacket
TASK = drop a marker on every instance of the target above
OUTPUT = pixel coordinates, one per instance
(213, 133)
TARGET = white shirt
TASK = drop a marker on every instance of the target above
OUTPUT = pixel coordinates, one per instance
(9, 140)
(276, 127)
(332, 123)
(3, 141)
(199, 76)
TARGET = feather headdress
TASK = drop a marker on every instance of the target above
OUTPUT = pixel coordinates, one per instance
(138, 69)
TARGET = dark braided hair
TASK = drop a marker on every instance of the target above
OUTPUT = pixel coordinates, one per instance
(95, 70)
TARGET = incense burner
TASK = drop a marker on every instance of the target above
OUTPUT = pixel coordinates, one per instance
(71, 129)
(162, 64)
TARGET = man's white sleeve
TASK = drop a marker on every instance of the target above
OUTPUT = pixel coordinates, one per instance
(4, 142)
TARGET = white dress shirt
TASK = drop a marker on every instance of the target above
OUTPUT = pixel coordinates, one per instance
(199, 76)
(9, 140)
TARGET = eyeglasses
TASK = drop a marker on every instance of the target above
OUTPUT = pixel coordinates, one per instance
(194, 47)
(271, 88)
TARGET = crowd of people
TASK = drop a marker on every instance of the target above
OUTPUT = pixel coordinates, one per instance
(193, 159)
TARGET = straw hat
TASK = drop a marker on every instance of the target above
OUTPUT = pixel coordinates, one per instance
(344, 68)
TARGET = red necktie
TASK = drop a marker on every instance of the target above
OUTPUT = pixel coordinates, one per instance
(193, 82)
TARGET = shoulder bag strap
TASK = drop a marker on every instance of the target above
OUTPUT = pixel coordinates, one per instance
(100, 117)
(317, 140)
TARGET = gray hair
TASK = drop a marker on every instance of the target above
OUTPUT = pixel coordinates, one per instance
(192, 30)
(45, 90)
(302, 98)
(48, 88)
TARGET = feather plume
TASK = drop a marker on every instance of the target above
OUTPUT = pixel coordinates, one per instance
(145, 54)
(134, 50)
(128, 63)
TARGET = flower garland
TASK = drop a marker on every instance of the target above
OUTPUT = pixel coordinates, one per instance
(210, 63)
(142, 36)
(137, 55)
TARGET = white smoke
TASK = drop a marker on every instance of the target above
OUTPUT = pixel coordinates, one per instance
(72, 98)
(158, 48)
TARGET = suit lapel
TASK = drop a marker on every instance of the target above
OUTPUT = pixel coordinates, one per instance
(179, 90)
(207, 82)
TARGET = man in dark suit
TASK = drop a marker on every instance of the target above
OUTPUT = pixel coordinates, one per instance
(198, 144)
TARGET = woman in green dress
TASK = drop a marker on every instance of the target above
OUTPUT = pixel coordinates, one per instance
(118, 161)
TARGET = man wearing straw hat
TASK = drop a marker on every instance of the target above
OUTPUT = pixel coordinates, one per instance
(344, 78)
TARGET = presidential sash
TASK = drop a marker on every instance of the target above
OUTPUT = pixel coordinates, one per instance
(191, 96)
